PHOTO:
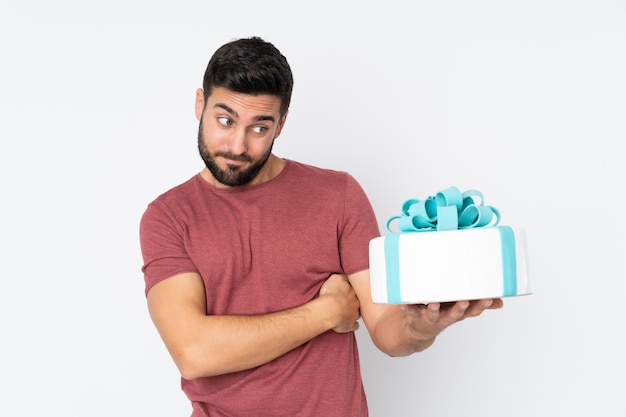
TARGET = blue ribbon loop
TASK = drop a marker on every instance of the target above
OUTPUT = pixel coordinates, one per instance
(449, 209)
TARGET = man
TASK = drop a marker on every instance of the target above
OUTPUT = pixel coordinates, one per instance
(256, 268)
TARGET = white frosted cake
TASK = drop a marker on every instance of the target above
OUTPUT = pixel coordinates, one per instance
(433, 262)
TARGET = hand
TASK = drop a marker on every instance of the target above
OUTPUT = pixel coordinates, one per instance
(345, 304)
(427, 321)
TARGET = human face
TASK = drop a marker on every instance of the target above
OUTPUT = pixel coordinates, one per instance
(236, 136)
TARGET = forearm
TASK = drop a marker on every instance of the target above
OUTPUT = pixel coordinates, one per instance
(206, 345)
(392, 328)
(395, 335)
(213, 345)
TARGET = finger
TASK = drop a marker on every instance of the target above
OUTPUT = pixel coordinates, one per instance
(350, 327)
(457, 312)
(477, 307)
(497, 303)
(433, 311)
(484, 304)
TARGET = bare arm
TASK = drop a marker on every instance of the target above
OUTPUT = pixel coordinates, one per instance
(400, 330)
(204, 345)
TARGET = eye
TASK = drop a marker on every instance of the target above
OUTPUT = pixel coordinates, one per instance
(259, 129)
(224, 121)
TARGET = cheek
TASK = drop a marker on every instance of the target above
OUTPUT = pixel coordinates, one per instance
(214, 137)
(259, 146)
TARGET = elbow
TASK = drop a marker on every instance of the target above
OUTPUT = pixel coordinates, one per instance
(191, 364)
(186, 364)
(188, 371)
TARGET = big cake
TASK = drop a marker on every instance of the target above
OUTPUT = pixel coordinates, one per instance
(449, 247)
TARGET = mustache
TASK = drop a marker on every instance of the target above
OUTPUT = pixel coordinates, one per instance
(242, 157)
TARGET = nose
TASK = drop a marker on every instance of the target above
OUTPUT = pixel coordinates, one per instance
(238, 142)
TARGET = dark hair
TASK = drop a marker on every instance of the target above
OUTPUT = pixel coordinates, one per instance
(250, 66)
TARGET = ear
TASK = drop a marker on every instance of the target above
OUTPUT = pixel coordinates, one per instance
(281, 123)
(199, 103)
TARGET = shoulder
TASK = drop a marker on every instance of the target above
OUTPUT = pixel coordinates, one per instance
(178, 193)
(303, 171)
(170, 203)
(331, 185)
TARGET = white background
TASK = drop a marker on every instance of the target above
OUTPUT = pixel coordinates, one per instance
(523, 100)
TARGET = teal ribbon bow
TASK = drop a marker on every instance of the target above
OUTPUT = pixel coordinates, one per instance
(449, 209)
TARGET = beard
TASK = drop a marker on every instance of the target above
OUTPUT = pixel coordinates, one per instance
(233, 175)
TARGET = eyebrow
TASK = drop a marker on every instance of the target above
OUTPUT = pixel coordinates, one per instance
(231, 111)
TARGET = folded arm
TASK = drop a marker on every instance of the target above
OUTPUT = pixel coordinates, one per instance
(206, 345)
(400, 330)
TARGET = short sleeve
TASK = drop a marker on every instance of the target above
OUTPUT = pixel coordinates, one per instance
(163, 247)
(359, 226)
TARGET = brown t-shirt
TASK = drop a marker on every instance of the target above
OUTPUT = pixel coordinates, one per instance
(260, 249)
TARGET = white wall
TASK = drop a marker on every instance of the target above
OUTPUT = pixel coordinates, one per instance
(523, 100)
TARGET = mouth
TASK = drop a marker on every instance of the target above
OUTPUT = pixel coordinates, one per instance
(234, 163)
(234, 160)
